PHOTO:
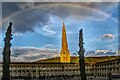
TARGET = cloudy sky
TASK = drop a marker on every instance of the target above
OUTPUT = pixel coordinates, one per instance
(37, 27)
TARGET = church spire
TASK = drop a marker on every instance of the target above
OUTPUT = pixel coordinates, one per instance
(65, 54)
(64, 38)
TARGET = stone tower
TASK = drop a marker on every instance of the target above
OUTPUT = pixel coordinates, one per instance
(64, 54)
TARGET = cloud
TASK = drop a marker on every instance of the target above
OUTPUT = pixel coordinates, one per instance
(29, 54)
(27, 21)
(79, 11)
(50, 46)
(18, 34)
(106, 37)
(110, 36)
(24, 5)
(46, 31)
(101, 53)
(27, 16)
(105, 52)
(32, 53)
(90, 53)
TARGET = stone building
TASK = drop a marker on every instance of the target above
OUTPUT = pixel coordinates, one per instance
(37, 70)
(102, 69)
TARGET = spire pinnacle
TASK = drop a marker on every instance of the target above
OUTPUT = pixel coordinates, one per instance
(63, 24)
(63, 28)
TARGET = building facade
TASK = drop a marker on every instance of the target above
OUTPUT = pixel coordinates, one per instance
(37, 70)
(102, 69)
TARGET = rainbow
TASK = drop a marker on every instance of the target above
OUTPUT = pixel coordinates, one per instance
(62, 4)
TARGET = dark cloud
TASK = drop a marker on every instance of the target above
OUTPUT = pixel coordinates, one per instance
(30, 16)
(18, 51)
(24, 21)
(29, 58)
(27, 21)
(69, 11)
(25, 5)
(32, 54)
(9, 8)
(80, 10)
